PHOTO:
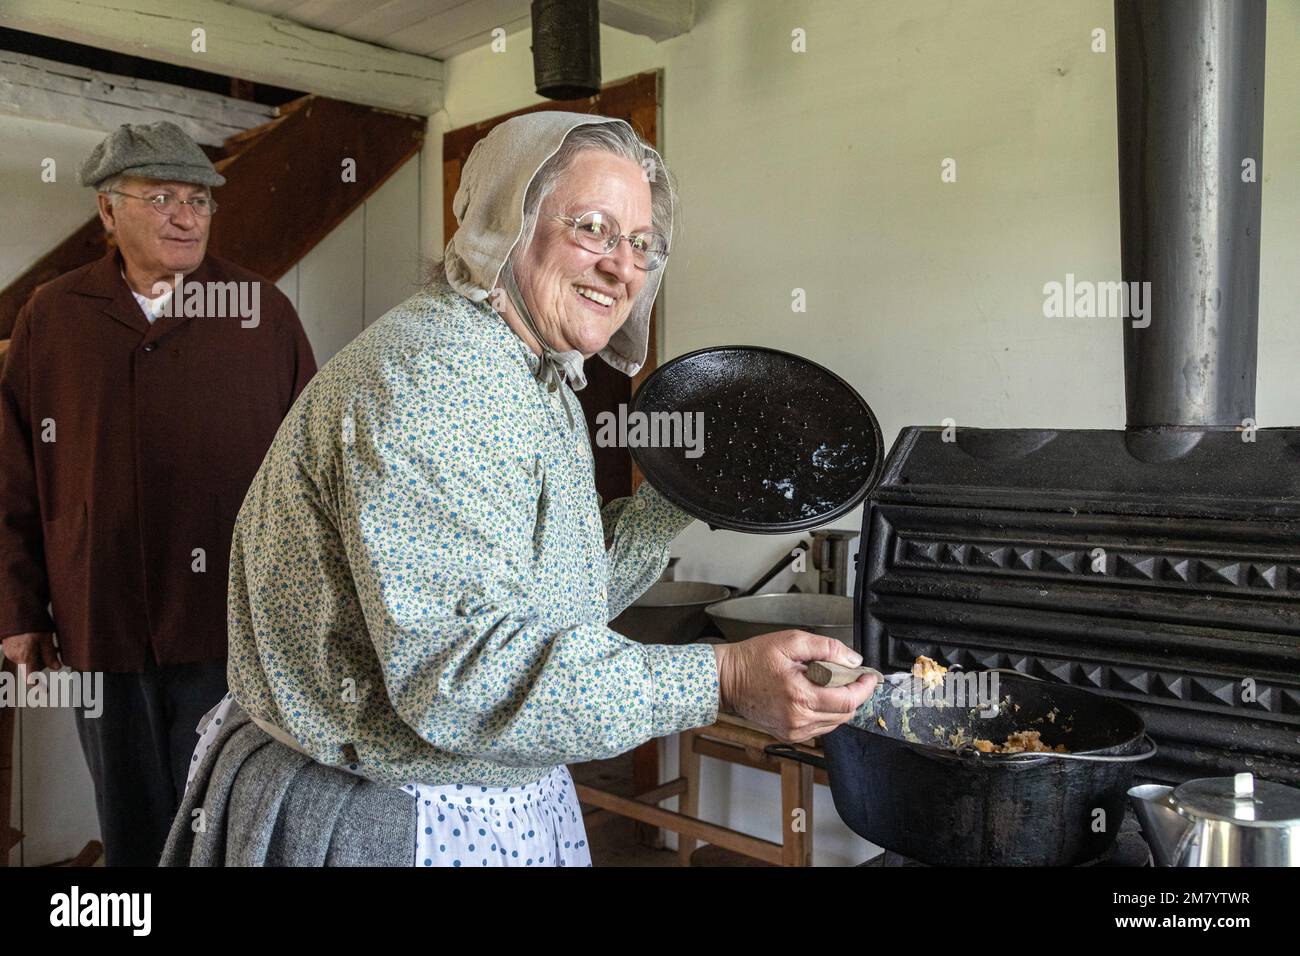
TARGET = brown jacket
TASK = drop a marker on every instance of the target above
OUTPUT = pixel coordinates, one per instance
(125, 448)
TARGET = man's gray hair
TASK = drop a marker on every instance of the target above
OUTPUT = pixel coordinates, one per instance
(108, 186)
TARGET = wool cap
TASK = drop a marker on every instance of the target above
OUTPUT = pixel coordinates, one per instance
(159, 150)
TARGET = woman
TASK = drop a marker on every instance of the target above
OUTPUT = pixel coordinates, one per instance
(421, 576)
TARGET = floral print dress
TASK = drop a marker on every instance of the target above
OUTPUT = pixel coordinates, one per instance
(421, 577)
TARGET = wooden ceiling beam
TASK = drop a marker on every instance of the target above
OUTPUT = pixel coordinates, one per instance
(64, 93)
(241, 43)
(656, 19)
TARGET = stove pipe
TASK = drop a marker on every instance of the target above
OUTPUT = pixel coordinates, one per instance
(1189, 77)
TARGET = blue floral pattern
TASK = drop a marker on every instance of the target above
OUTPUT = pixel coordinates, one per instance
(421, 575)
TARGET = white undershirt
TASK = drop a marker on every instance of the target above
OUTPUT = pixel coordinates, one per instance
(152, 308)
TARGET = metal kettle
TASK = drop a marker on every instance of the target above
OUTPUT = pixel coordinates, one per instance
(1220, 821)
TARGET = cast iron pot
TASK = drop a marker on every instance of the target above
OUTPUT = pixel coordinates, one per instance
(941, 806)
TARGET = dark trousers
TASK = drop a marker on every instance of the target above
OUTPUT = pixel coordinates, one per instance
(139, 749)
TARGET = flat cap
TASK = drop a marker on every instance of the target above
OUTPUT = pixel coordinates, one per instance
(159, 150)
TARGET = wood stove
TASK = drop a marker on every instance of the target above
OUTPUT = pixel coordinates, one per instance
(1159, 564)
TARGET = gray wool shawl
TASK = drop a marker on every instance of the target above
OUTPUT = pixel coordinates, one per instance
(265, 804)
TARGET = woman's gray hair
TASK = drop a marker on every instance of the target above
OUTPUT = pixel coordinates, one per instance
(616, 138)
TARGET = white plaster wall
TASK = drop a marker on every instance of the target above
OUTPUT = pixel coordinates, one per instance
(36, 215)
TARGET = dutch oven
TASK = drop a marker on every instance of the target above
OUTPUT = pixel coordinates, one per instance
(898, 780)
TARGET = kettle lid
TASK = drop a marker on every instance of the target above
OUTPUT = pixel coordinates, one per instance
(1241, 800)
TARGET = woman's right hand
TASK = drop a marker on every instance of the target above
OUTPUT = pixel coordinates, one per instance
(763, 680)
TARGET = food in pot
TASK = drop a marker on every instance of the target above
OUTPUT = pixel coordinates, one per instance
(928, 672)
(1019, 742)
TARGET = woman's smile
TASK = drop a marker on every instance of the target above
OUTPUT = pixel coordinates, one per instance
(594, 299)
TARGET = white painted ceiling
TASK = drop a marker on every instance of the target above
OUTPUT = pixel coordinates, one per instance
(436, 28)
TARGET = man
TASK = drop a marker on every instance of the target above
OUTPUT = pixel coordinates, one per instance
(132, 420)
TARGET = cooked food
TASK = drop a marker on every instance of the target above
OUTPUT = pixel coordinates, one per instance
(929, 673)
(1019, 742)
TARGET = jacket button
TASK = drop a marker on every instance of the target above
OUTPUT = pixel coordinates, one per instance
(150, 347)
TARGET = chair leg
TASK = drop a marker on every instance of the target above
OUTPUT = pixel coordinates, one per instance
(796, 814)
(689, 802)
(89, 854)
(9, 837)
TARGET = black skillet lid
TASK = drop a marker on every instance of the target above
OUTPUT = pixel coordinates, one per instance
(787, 445)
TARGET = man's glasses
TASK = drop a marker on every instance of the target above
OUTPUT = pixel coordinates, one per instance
(598, 232)
(165, 204)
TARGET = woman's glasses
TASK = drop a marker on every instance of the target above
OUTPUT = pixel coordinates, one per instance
(600, 233)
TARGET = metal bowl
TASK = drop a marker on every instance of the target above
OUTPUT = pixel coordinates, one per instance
(830, 615)
(670, 612)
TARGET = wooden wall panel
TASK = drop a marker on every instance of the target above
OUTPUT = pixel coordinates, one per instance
(57, 796)
(331, 288)
(393, 271)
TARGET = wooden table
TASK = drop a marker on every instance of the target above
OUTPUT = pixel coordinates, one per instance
(736, 741)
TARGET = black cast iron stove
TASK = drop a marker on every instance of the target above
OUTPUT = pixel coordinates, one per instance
(1159, 564)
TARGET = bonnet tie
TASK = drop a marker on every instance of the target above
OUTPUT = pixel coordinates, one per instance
(552, 367)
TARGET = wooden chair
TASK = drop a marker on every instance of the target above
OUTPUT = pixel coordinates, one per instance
(9, 837)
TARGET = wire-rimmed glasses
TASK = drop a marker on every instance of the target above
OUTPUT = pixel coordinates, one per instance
(165, 204)
(599, 232)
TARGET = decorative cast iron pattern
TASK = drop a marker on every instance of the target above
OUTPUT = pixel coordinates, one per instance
(1201, 690)
(1092, 562)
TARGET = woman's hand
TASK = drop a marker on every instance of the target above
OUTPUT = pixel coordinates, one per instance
(763, 680)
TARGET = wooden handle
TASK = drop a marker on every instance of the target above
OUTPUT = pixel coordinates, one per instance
(830, 674)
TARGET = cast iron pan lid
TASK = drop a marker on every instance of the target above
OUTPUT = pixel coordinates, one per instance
(788, 445)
